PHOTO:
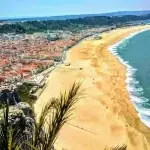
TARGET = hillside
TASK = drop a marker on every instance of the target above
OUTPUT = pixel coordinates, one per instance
(73, 25)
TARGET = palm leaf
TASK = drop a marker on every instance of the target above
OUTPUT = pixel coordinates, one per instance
(54, 115)
(124, 147)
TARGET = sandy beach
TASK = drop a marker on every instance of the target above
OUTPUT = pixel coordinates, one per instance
(105, 116)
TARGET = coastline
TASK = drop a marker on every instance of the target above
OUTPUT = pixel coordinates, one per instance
(130, 80)
(63, 58)
(114, 120)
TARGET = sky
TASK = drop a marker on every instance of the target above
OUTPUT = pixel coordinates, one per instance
(33, 8)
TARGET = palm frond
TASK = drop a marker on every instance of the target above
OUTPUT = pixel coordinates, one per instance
(4, 132)
(54, 115)
(7, 134)
(124, 147)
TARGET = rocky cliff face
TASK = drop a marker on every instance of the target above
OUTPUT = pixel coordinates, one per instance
(21, 120)
(21, 117)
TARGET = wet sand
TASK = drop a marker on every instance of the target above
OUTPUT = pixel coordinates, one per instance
(104, 117)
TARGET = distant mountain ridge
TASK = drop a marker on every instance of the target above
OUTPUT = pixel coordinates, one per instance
(65, 17)
(123, 13)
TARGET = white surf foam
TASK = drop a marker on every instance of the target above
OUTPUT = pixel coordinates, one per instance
(133, 86)
(145, 119)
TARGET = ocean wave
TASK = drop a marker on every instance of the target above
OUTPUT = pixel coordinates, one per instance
(132, 81)
(143, 112)
(145, 119)
(138, 100)
(133, 86)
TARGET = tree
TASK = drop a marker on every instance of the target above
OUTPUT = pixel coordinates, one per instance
(55, 114)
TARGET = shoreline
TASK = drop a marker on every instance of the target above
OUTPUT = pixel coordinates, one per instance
(114, 120)
(63, 58)
(130, 71)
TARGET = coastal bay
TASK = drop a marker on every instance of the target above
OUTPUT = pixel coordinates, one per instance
(104, 116)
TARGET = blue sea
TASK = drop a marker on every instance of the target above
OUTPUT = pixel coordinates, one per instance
(134, 53)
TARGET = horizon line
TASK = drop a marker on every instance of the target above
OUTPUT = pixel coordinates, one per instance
(26, 17)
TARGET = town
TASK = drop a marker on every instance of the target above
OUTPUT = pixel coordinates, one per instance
(74, 75)
(25, 56)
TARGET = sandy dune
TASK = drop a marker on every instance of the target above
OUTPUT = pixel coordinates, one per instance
(105, 115)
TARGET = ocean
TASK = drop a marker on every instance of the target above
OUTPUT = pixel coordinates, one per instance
(134, 53)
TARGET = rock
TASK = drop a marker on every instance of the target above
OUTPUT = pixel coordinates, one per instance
(21, 120)
(26, 108)
(21, 117)
(12, 95)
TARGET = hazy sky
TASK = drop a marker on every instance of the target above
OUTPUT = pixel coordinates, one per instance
(29, 8)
